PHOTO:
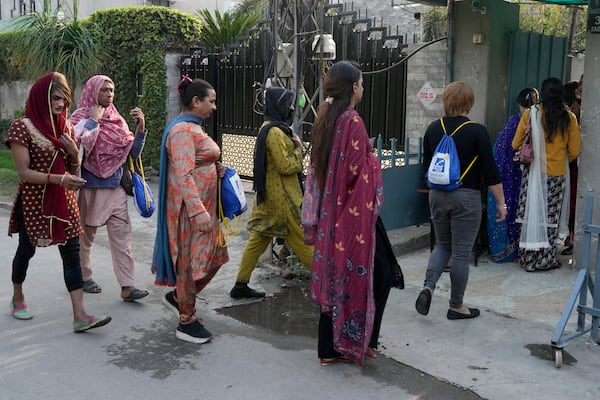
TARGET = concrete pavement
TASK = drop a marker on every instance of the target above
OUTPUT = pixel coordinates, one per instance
(499, 355)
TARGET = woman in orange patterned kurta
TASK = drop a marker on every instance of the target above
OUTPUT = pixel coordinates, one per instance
(188, 209)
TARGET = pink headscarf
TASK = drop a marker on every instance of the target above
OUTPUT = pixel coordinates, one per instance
(106, 151)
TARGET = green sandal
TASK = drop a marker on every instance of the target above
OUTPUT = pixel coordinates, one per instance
(22, 312)
(90, 323)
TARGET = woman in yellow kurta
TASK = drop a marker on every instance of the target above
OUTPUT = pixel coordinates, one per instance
(188, 220)
(556, 141)
(277, 204)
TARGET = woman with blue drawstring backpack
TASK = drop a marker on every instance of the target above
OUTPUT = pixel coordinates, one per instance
(456, 211)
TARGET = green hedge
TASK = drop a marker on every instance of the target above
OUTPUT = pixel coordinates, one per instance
(137, 39)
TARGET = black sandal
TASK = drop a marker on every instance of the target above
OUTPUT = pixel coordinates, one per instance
(135, 294)
(568, 251)
(90, 286)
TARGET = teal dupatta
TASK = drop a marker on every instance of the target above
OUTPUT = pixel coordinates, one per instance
(162, 263)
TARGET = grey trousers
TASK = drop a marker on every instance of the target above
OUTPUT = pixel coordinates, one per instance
(456, 217)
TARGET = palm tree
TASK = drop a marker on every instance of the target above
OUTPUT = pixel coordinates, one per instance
(48, 41)
(223, 29)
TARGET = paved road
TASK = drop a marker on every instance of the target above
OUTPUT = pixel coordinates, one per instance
(497, 356)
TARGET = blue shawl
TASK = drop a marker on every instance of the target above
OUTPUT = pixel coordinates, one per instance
(162, 263)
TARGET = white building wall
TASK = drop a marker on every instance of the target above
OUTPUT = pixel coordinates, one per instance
(11, 8)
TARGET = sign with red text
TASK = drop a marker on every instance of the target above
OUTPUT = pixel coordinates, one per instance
(426, 95)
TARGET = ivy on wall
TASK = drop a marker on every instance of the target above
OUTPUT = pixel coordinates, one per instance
(136, 40)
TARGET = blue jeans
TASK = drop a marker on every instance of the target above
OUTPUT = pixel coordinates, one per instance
(456, 217)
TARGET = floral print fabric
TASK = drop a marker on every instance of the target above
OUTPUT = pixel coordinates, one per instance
(342, 275)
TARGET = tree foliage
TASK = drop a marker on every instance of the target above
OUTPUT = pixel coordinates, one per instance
(251, 7)
(56, 41)
(556, 20)
(136, 40)
(435, 23)
(221, 30)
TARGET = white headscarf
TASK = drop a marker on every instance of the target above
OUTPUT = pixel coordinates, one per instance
(534, 231)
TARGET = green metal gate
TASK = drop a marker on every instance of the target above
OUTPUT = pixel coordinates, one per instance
(533, 58)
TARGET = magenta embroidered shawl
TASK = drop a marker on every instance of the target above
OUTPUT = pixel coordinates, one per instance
(342, 271)
(107, 146)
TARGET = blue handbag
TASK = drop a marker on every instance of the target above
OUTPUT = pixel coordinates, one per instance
(232, 199)
(142, 194)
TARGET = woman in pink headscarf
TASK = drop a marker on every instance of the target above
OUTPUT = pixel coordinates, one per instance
(106, 142)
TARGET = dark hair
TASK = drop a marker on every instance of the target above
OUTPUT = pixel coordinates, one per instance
(527, 97)
(556, 116)
(569, 90)
(338, 87)
(188, 89)
(59, 83)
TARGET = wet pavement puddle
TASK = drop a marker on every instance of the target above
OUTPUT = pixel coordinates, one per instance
(546, 352)
(288, 312)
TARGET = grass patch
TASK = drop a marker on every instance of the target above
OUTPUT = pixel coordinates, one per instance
(9, 179)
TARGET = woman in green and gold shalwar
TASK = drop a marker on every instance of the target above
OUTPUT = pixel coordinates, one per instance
(278, 200)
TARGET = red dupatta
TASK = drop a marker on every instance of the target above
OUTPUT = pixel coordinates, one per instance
(342, 271)
(39, 111)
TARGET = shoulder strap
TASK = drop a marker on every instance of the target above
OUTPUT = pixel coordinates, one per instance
(452, 134)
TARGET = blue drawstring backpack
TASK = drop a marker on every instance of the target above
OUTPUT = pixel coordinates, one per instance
(444, 170)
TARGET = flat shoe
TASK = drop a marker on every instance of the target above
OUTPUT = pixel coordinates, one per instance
(423, 302)
(473, 312)
(245, 292)
(22, 312)
(568, 251)
(329, 361)
(91, 323)
(135, 294)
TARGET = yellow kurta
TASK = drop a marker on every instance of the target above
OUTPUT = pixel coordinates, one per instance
(555, 150)
(283, 195)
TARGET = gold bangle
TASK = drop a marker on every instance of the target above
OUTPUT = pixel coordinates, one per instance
(62, 179)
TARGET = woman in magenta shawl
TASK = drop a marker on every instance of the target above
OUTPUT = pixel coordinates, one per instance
(348, 175)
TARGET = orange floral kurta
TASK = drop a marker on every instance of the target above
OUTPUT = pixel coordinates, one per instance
(192, 189)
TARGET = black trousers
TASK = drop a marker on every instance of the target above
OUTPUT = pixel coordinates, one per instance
(382, 283)
(69, 253)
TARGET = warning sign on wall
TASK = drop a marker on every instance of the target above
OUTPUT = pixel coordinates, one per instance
(426, 95)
